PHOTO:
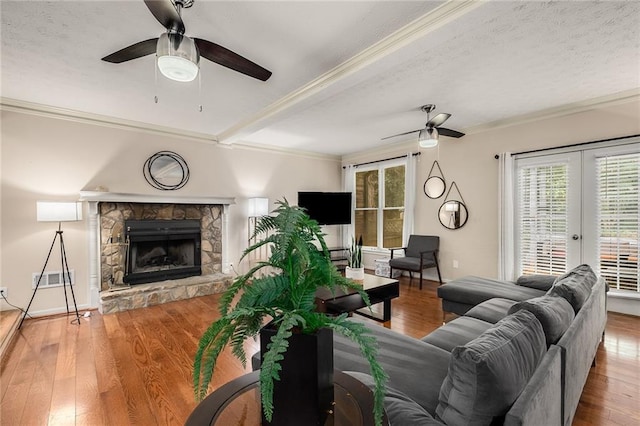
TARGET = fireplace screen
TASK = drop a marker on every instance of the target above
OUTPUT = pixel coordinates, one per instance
(162, 249)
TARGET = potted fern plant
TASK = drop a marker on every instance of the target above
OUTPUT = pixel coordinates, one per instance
(284, 299)
(355, 270)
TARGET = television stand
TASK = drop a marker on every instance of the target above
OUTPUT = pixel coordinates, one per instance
(339, 257)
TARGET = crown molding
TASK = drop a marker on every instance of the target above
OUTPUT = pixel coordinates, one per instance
(24, 107)
(561, 111)
(249, 146)
(441, 15)
(48, 111)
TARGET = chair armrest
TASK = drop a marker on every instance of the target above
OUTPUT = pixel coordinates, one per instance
(435, 252)
(396, 248)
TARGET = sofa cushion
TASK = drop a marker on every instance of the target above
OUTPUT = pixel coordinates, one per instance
(458, 332)
(400, 409)
(492, 310)
(414, 367)
(554, 313)
(575, 286)
(472, 290)
(539, 282)
(487, 374)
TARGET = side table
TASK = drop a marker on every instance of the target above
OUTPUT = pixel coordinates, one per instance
(238, 403)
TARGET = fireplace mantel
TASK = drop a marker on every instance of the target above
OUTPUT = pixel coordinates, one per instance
(115, 197)
(93, 198)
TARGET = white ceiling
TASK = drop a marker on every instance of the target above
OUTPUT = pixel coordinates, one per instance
(345, 74)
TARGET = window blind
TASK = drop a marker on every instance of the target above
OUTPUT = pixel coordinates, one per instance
(543, 219)
(618, 220)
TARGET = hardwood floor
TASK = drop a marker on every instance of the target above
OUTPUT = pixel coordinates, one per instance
(135, 367)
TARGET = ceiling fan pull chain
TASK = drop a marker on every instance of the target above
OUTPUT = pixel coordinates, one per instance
(200, 91)
(155, 86)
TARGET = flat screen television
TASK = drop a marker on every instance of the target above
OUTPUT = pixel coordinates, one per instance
(328, 208)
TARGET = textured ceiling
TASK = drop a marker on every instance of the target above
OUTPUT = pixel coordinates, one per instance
(484, 63)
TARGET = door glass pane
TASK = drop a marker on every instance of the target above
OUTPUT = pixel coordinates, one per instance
(392, 227)
(394, 188)
(367, 226)
(618, 216)
(543, 223)
(367, 189)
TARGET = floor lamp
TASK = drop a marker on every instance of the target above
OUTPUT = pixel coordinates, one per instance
(258, 207)
(57, 212)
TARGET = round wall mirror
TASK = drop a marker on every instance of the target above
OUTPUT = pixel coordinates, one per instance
(434, 187)
(453, 214)
(166, 170)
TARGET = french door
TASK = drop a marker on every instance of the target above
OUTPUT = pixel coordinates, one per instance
(548, 228)
(580, 207)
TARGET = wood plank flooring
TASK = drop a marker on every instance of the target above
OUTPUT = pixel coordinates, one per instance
(135, 367)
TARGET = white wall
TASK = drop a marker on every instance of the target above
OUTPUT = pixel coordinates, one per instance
(46, 158)
(470, 162)
(53, 159)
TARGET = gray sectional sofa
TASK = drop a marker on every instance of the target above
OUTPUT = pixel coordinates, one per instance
(513, 359)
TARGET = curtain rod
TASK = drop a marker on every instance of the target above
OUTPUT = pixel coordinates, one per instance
(569, 146)
(384, 159)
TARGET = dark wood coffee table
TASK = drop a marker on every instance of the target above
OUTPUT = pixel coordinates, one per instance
(379, 290)
(238, 403)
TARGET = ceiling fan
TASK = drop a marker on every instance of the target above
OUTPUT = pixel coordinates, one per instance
(428, 137)
(179, 55)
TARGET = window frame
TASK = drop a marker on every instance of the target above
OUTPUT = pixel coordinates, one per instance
(380, 167)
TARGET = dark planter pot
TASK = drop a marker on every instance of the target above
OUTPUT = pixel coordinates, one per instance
(304, 393)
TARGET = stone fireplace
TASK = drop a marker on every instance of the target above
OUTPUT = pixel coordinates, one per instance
(149, 250)
(161, 250)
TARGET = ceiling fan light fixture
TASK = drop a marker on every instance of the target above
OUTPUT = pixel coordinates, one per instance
(428, 137)
(178, 57)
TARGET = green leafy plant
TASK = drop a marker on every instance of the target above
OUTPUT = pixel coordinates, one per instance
(355, 253)
(300, 264)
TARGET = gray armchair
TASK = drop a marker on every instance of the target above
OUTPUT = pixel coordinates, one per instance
(420, 253)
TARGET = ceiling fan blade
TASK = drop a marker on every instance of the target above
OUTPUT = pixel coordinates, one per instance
(438, 120)
(400, 134)
(166, 12)
(448, 132)
(227, 58)
(134, 51)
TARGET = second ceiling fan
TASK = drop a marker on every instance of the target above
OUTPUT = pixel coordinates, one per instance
(179, 55)
(428, 136)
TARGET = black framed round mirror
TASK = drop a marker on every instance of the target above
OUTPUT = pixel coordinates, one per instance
(434, 187)
(166, 170)
(453, 214)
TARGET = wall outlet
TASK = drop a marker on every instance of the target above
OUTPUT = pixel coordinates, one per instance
(4, 292)
(455, 264)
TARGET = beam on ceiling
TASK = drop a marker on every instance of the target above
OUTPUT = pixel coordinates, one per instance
(419, 28)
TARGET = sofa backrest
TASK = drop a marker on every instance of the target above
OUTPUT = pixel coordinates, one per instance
(579, 345)
(540, 403)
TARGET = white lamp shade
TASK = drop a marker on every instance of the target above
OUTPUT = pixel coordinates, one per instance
(178, 57)
(47, 211)
(258, 207)
(428, 137)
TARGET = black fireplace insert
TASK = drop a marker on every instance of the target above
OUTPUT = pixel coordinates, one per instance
(162, 250)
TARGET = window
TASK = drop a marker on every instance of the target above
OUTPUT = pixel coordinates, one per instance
(380, 204)
(542, 219)
(617, 219)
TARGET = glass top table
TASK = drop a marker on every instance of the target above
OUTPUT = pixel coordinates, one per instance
(238, 403)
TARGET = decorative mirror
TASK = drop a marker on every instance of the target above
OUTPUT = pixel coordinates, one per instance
(435, 185)
(166, 170)
(453, 214)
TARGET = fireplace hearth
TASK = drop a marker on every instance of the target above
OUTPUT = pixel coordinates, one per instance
(162, 250)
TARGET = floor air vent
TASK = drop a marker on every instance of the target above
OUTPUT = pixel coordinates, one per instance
(52, 279)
